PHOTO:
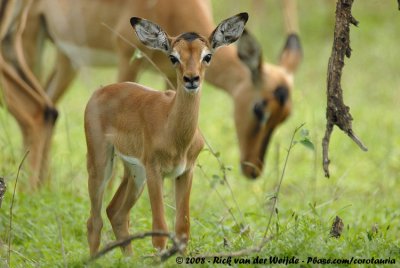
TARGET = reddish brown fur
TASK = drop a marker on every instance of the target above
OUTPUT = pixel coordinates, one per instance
(78, 23)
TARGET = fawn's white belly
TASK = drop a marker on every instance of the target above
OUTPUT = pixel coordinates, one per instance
(136, 168)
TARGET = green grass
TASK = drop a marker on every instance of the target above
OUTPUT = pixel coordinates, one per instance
(49, 227)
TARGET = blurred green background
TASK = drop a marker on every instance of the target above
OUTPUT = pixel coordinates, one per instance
(49, 227)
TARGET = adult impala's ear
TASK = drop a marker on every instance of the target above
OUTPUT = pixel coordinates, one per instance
(250, 53)
(150, 34)
(292, 53)
(228, 31)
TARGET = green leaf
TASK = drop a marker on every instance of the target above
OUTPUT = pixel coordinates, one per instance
(313, 209)
(307, 143)
(216, 177)
(252, 214)
(304, 132)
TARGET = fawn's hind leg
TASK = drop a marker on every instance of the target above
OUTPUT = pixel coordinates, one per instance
(125, 198)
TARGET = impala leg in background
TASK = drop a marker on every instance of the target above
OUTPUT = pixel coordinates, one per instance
(23, 95)
(61, 77)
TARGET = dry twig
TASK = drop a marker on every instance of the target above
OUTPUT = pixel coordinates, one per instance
(337, 113)
(337, 227)
(177, 246)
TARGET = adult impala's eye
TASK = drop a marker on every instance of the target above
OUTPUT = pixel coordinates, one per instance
(207, 58)
(258, 109)
(173, 59)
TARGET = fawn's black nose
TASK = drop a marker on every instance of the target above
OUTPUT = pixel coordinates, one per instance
(191, 82)
(191, 79)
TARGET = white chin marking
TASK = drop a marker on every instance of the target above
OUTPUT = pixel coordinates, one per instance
(192, 90)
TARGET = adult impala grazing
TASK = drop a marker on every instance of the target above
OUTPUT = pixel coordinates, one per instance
(154, 133)
(261, 92)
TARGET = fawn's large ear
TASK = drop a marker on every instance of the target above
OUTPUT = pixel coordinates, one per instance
(228, 31)
(292, 53)
(150, 34)
(250, 53)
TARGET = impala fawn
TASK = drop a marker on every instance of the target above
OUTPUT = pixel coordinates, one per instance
(154, 133)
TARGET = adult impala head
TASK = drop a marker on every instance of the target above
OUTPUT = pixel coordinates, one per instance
(264, 101)
(154, 133)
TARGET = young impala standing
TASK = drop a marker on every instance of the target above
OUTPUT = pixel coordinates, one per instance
(154, 133)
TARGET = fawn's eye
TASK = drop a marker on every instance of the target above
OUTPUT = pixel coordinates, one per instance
(173, 59)
(207, 58)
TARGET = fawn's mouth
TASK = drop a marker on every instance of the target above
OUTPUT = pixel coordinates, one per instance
(192, 87)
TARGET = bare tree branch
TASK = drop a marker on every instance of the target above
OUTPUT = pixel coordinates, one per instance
(337, 113)
(177, 246)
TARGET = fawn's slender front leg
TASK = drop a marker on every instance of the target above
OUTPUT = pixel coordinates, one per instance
(155, 188)
(183, 185)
